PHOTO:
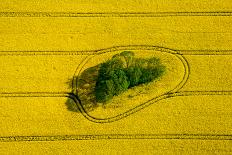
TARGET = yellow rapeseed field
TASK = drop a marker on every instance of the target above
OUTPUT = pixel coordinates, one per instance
(45, 45)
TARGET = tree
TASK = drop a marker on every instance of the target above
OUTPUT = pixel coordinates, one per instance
(121, 82)
(121, 73)
(112, 80)
(146, 76)
(134, 74)
(110, 65)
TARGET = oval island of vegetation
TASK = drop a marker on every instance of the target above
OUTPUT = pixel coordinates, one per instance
(112, 83)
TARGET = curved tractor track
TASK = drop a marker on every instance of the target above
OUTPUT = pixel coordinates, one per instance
(172, 93)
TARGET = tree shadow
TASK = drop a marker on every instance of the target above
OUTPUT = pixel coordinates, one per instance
(71, 105)
(85, 90)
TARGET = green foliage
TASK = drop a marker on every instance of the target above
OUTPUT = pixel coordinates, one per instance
(104, 90)
(134, 74)
(113, 83)
(124, 71)
(108, 66)
(120, 80)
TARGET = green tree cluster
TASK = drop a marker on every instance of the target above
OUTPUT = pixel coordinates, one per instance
(124, 71)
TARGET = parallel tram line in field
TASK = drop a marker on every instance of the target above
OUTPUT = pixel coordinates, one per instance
(117, 48)
(120, 116)
(73, 94)
(175, 93)
(116, 136)
(112, 14)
